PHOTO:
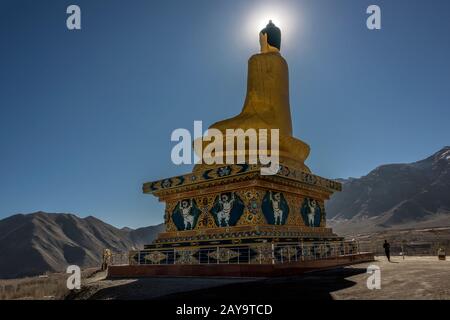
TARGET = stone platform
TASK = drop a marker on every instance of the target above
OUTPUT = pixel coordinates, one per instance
(235, 215)
(236, 270)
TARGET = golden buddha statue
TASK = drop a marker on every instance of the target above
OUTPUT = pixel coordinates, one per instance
(266, 105)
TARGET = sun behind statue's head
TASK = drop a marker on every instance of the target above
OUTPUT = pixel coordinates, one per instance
(270, 38)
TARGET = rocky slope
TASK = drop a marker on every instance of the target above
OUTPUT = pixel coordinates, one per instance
(395, 196)
(34, 243)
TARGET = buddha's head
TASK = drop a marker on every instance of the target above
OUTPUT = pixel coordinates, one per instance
(270, 38)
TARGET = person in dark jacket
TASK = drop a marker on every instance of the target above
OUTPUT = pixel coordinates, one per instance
(387, 250)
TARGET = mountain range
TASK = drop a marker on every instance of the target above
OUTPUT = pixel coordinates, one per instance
(394, 196)
(31, 244)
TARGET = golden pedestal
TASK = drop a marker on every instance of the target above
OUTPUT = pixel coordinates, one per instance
(234, 214)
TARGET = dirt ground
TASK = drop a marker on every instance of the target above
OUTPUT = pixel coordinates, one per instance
(51, 286)
(409, 278)
(405, 279)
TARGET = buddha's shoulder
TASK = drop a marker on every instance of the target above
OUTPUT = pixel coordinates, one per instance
(270, 56)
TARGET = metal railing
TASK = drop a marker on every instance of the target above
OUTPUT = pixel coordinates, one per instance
(119, 258)
(406, 248)
(264, 253)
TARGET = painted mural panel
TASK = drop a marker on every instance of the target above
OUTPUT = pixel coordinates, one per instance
(227, 209)
(185, 215)
(311, 212)
(275, 208)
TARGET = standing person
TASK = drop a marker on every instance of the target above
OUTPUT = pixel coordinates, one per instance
(387, 250)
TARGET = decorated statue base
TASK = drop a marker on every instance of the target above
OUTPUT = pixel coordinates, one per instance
(234, 214)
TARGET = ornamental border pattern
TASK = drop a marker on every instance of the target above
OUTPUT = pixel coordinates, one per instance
(234, 171)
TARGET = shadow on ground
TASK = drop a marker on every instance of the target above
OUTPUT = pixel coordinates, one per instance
(310, 286)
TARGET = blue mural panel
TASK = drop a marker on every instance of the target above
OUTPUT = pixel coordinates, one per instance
(311, 212)
(185, 215)
(228, 209)
(275, 208)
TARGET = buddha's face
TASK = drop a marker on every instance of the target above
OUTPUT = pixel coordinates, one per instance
(184, 204)
(224, 198)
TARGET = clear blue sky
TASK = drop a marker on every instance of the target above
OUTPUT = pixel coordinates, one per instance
(86, 116)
